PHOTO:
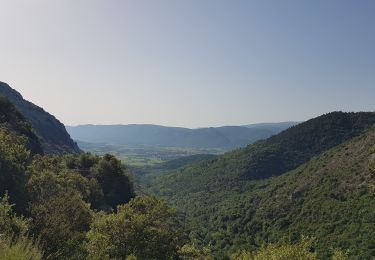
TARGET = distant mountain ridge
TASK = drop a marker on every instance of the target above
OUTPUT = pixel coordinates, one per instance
(52, 132)
(226, 137)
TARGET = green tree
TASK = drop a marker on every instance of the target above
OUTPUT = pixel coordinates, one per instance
(19, 248)
(62, 222)
(102, 181)
(14, 244)
(340, 255)
(145, 227)
(191, 251)
(13, 159)
(10, 223)
(298, 251)
(116, 184)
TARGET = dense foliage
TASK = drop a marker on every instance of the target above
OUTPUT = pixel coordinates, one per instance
(146, 228)
(13, 159)
(66, 200)
(302, 250)
(227, 205)
(57, 194)
(60, 198)
(66, 188)
(19, 248)
(14, 243)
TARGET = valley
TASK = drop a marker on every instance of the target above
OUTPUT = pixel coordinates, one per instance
(143, 155)
(306, 187)
(187, 130)
(147, 145)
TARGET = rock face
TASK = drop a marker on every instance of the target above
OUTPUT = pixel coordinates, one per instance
(52, 133)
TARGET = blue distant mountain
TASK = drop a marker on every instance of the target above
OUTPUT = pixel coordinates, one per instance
(274, 127)
(226, 137)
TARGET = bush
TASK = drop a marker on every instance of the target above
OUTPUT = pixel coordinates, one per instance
(19, 248)
(10, 224)
(145, 227)
(62, 222)
(298, 251)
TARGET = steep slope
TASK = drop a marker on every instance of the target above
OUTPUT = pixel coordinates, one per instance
(51, 132)
(13, 121)
(227, 137)
(330, 198)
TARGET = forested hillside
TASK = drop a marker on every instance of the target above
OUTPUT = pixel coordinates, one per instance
(51, 132)
(52, 206)
(234, 202)
(75, 206)
(273, 156)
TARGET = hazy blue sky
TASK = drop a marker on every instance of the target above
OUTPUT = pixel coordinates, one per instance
(189, 63)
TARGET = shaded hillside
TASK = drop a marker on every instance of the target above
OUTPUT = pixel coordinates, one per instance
(227, 137)
(270, 157)
(298, 144)
(52, 133)
(330, 198)
(13, 121)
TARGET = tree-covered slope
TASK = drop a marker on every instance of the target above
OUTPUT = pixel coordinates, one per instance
(51, 132)
(331, 198)
(13, 121)
(270, 157)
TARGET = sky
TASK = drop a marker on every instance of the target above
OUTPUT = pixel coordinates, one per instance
(191, 63)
